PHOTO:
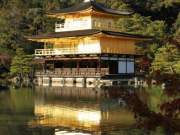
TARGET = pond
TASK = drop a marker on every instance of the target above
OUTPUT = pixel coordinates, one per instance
(86, 111)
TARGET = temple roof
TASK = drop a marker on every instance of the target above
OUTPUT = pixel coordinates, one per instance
(91, 4)
(79, 33)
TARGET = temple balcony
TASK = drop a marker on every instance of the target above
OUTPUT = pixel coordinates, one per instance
(64, 51)
(75, 72)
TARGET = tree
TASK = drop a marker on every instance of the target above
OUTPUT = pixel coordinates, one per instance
(138, 24)
(21, 64)
(114, 4)
(167, 60)
(176, 27)
(166, 10)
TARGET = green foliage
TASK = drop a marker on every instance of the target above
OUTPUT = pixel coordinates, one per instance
(177, 26)
(138, 24)
(156, 97)
(167, 60)
(168, 3)
(21, 64)
(114, 4)
(6, 34)
(153, 5)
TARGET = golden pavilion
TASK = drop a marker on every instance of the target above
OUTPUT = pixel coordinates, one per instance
(86, 46)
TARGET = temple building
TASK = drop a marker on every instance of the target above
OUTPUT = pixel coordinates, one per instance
(86, 46)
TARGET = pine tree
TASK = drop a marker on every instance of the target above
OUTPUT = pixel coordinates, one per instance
(167, 60)
(21, 64)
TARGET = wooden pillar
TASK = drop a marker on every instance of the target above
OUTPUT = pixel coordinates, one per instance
(77, 66)
(53, 66)
(99, 65)
(62, 71)
(108, 66)
(44, 67)
(126, 64)
(134, 65)
(45, 45)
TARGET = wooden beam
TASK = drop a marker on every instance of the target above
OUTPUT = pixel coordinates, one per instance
(71, 58)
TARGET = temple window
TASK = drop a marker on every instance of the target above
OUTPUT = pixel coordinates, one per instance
(60, 24)
(126, 65)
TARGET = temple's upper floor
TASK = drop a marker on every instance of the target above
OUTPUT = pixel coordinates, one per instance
(87, 15)
(87, 42)
(72, 23)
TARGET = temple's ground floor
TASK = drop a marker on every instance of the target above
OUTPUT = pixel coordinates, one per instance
(85, 82)
(96, 70)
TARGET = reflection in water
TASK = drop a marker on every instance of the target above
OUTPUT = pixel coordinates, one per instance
(84, 111)
(69, 133)
(91, 114)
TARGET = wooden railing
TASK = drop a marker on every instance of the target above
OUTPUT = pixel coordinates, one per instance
(62, 51)
(44, 52)
(74, 72)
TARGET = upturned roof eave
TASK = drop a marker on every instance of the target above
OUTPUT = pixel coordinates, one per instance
(74, 34)
(127, 35)
(54, 14)
(92, 5)
(85, 10)
(85, 33)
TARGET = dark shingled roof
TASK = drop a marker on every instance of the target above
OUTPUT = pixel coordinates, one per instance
(79, 33)
(91, 5)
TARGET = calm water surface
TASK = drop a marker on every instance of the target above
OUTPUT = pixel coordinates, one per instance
(73, 111)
